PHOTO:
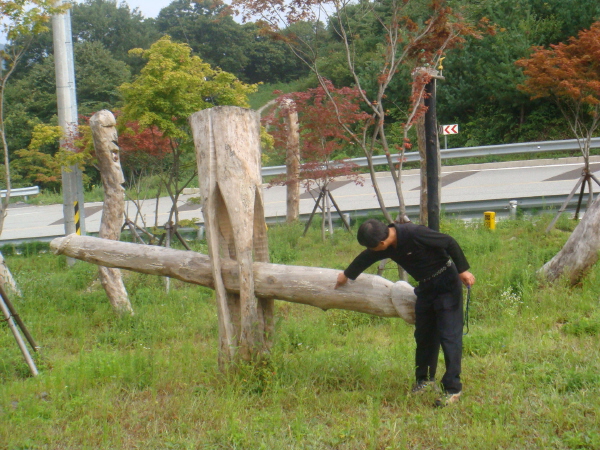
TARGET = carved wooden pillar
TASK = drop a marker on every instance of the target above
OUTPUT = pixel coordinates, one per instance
(107, 151)
(227, 141)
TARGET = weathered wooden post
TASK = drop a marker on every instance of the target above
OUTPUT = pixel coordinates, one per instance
(103, 125)
(432, 153)
(292, 162)
(227, 141)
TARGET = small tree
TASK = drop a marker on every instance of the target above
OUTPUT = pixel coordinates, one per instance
(323, 139)
(172, 86)
(379, 41)
(20, 21)
(144, 153)
(569, 74)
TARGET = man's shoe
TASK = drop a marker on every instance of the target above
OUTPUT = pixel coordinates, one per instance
(447, 399)
(423, 386)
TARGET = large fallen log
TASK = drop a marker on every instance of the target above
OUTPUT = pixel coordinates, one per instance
(312, 286)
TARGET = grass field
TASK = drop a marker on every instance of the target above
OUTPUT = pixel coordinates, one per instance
(335, 379)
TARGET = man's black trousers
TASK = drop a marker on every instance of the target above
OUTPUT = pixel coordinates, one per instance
(439, 321)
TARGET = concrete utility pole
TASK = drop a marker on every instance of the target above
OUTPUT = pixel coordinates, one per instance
(72, 184)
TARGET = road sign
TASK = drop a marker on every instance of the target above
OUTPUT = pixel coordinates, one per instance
(449, 129)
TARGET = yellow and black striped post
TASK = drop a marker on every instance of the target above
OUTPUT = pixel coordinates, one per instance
(77, 218)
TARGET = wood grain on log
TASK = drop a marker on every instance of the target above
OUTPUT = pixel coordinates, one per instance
(312, 286)
(227, 141)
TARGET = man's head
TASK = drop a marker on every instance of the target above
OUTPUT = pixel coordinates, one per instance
(372, 233)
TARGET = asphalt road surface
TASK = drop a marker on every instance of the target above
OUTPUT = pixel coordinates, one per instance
(468, 183)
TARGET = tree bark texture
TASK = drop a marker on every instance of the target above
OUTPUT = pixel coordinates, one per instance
(292, 163)
(104, 132)
(227, 141)
(312, 286)
(580, 251)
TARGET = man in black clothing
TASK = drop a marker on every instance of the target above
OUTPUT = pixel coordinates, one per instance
(437, 262)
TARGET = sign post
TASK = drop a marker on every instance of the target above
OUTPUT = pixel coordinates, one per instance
(446, 130)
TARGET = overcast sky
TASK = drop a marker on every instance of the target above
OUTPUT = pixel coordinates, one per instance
(149, 8)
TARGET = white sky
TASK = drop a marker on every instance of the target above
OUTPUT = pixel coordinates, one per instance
(149, 8)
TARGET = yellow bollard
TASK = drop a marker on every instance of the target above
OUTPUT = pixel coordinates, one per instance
(489, 219)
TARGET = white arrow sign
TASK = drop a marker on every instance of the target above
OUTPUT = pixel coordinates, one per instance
(450, 129)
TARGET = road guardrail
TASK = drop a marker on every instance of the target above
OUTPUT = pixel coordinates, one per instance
(21, 192)
(466, 152)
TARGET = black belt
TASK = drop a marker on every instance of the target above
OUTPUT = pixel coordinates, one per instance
(439, 272)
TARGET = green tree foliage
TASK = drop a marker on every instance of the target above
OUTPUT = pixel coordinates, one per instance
(108, 22)
(209, 29)
(32, 99)
(172, 86)
(19, 20)
(480, 91)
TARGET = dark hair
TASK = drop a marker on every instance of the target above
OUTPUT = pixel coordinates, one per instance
(371, 233)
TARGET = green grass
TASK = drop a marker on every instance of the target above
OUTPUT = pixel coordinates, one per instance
(335, 379)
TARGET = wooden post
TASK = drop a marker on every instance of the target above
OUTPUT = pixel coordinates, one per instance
(292, 162)
(432, 157)
(227, 141)
(103, 125)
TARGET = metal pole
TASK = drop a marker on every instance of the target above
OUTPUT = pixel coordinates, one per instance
(72, 184)
(432, 156)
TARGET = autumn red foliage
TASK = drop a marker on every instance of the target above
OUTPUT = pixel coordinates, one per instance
(322, 136)
(569, 73)
(150, 141)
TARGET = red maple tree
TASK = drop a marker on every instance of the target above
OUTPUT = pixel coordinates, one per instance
(323, 139)
(149, 142)
(569, 73)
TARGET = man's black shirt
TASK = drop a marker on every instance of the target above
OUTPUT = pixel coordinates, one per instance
(419, 250)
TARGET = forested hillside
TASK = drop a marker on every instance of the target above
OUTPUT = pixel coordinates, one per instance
(479, 92)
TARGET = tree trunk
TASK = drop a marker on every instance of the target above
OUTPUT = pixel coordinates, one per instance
(312, 286)
(292, 162)
(227, 140)
(107, 152)
(580, 251)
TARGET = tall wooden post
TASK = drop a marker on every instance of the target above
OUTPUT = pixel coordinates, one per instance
(103, 125)
(432, 153)
(292, 162)
(227, 141)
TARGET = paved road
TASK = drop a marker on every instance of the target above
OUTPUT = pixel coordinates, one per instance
(469, 183)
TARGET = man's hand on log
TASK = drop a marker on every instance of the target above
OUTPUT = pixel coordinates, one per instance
(341, 280)
(467, 278)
